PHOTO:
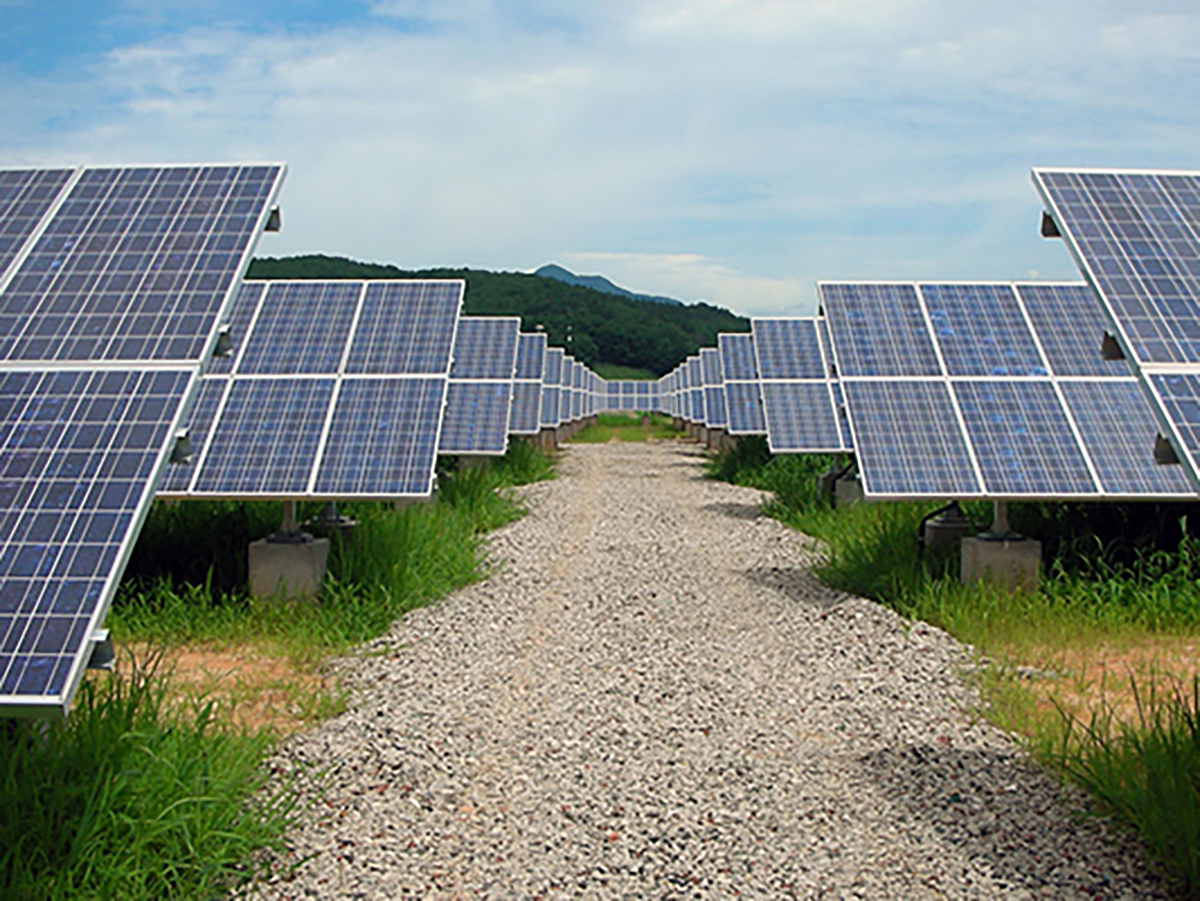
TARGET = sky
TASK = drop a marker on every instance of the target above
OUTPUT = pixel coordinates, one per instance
(732, 151)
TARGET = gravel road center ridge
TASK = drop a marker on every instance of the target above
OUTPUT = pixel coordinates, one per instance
(653, 697)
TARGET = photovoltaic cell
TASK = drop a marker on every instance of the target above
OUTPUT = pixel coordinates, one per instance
(476, 418)
(135, 264)
(382, 438)
(1022, 438)
(406, 327)
(1118, 429)
(78, 452)
(710, 366)
(878, 330)
(26, 195)
(266, 439)
(981, 330)
(1070, 324)
(800, 417)
(301, 329)
(550, 406)
(744, 407)
(907, 440)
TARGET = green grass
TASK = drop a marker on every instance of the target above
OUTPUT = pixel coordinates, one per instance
(1110, 571)
(1147, 774)
(394, 561)
(627, 427)
(146, 792)
(127, 798)
(613, 372)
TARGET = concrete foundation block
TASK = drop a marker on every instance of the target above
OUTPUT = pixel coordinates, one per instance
(1015, 565)
(279, 569)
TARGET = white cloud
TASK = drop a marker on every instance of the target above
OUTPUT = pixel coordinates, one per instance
(723, 149)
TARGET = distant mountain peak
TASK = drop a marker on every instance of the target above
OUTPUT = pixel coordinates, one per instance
(598, 283)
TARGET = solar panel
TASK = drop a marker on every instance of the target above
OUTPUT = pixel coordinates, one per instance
(476, 420)
(737, 357)
(526, 408)
(382, 438)
(310, 357)
(531, 356)
(1010, 359)
(134, 264)
(744, 407)
(710, 366)
(26, 195)
(301, 328)
(551, 382)
(1136, 237)
(716, 416)
(486, 347)
(112, 282)
(798, 410)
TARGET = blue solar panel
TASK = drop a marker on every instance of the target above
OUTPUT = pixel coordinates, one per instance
(1118, 429)
(1180, 394)
(485, 348)
(1070, 324)
(550, 406)
(200, 422)
(526, 408)
(301, 328)
(476, 418)
(382, 438)
(714, 407)
(710, 366)
(265, 443)
(744, 408)
(245, 305)
(800, 417)
(552, 374)
(531, 356)
(135, 264)
(26, 195)
(406, 327)
(78, 451)
(1022, 439)
(878, 330)
(907, 440)
(737, 357)
(981, 330)
(787, 348)
(1137, 236)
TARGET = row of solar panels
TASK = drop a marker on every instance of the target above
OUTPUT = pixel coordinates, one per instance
(942, 391)
(351, 389)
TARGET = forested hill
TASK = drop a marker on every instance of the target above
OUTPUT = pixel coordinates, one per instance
(603, 328)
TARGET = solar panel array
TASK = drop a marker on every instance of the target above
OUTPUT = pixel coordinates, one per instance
(1135, 235)
(335, 389)
(112, 284)
(951, 390)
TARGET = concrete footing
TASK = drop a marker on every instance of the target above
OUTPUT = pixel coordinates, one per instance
(289, 570)
(1012, 564)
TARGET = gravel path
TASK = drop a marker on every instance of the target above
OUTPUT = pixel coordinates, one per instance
(652, 697)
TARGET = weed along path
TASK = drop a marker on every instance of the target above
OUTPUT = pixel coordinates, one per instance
(653, 697)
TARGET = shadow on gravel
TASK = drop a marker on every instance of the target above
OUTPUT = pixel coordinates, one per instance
(735, 511)
(997, 811)
(797, 584)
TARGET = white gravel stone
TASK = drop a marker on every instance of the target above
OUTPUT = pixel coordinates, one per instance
(653, 697)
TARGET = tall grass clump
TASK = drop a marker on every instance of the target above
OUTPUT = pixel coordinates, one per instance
(1147, 774)
(126, 798)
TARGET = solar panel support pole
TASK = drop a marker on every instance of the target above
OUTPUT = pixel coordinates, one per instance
(1000, 530)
